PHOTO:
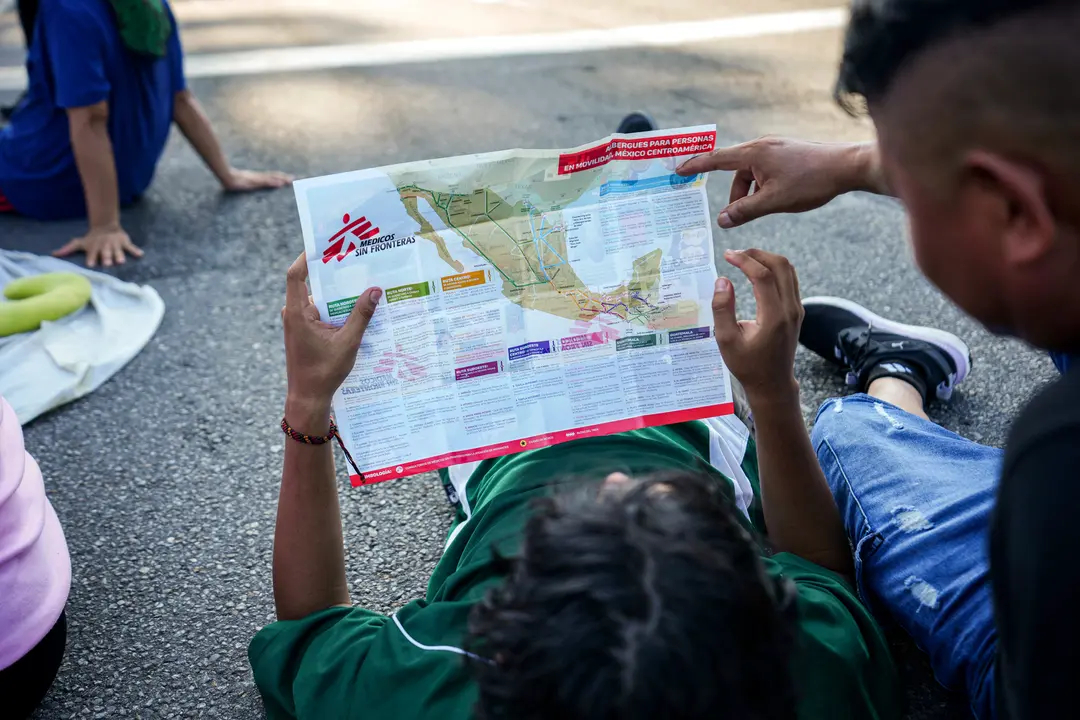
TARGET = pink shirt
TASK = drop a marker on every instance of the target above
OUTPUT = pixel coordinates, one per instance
(35, 570)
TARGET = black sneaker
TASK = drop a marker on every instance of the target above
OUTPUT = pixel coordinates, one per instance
(870, 346)
(636, 122)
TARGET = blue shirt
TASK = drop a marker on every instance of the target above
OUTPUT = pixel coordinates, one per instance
(77, 59)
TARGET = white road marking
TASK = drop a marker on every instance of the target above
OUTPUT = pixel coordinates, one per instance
(327, 57)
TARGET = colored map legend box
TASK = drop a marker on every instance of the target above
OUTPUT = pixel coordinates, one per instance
(636, 341)
(678, 336)
(474, 371)
(464, 280)
(407, 292)
(343, 306)
(529, 349)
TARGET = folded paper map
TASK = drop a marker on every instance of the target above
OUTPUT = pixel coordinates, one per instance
(531, 297)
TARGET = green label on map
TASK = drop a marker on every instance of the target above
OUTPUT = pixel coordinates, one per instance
(343, 306)
(635, 341)
(408, 292)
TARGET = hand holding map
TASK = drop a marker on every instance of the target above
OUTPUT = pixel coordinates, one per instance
(531, 297)
(319, 357)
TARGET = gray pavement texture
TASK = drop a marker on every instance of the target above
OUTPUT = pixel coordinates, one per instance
(166, 478)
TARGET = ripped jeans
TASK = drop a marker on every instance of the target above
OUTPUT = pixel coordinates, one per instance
(916, 501)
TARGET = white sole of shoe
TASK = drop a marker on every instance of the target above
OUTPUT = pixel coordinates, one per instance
(951, 344)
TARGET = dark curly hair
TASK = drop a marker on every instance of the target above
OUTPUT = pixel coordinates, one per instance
(648, 600)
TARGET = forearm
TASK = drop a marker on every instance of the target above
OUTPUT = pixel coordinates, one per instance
(799, 508)
(193, 123)
(97, 170)
(309, 553)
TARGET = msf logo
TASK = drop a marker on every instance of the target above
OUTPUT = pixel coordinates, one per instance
(360, 228)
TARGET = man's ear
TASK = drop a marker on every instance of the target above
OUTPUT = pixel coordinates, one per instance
(1020, 192)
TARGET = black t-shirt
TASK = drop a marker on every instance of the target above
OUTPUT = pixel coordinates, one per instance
(1035, 558)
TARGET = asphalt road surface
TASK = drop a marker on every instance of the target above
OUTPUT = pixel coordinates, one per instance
(165, 479)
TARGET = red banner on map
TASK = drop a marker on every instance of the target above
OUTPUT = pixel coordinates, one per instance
(538, 441)
(647, 148)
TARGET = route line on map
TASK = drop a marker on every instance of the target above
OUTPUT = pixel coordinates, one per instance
(446, 209)
(609, 305)
(643, 300)
(536, 240)
(515, 244)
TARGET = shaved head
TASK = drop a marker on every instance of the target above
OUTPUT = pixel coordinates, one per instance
(998, 74)
(884, 35)
(977, 108)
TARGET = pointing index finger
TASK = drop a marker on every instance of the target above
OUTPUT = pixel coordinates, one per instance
(728, 158)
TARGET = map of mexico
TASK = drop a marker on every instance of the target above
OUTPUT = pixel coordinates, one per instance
(528, 294)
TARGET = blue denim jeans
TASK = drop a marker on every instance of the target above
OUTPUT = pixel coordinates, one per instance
(916, 501)
(1062, 361)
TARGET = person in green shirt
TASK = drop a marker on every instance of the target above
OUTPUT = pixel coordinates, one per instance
(625, 576)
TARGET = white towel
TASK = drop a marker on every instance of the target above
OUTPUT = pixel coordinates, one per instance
(74, 355)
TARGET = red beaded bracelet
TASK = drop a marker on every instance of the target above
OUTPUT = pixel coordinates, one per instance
(320, 439)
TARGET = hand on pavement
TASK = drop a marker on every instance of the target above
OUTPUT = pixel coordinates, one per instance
(781, 175)
(761, 352)
(248, 180)
(318, 356)
(105, 244)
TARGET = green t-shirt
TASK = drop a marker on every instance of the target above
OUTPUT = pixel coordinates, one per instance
(353, 663)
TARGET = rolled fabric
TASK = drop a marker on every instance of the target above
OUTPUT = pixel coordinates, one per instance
(38, 298)
(35, 566)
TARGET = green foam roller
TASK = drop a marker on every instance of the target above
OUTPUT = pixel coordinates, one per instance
(39, 298)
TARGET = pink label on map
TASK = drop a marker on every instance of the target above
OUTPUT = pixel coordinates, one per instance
(575, 342)
(472, 371)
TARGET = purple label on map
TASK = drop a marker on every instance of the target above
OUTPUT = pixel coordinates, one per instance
(581, 341)
(472, 371)
(542, 347)
(678, 336)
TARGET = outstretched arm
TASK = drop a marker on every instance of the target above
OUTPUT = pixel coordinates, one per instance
(781, 175)
(106, 240)
(799, 508)
(189, 116)
(309, 555)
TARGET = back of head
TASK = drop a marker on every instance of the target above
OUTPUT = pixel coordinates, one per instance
(885, 35)
(964, 73)
(647, 601)
(977, 110)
